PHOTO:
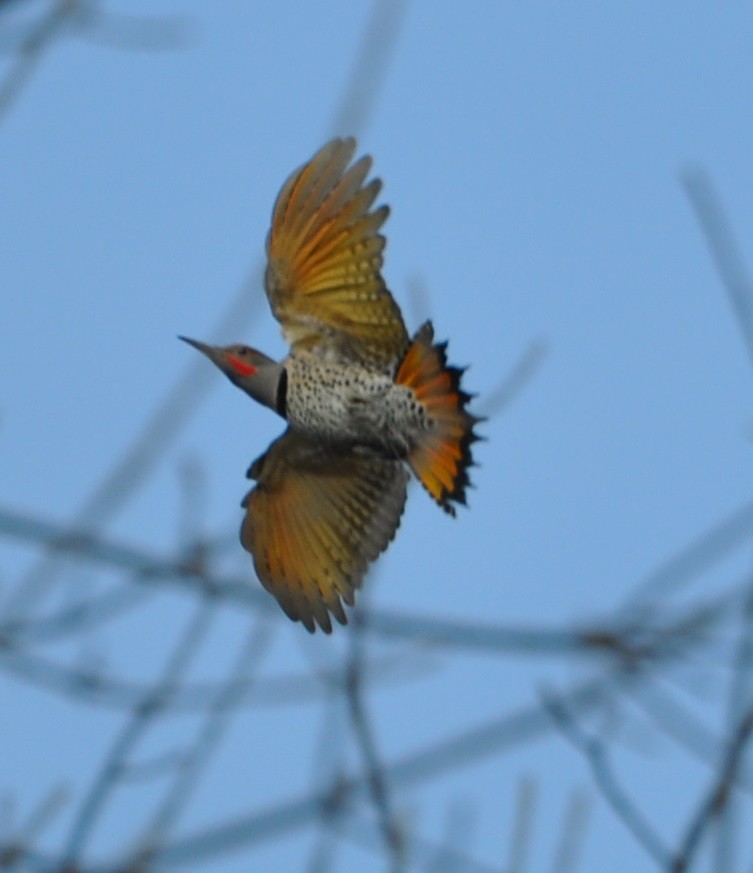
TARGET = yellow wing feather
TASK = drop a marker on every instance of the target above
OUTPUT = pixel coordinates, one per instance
(325, 255)
(314, 522)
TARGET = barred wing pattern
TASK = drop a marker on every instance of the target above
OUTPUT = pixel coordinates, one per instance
(324, 255)
(315, 520)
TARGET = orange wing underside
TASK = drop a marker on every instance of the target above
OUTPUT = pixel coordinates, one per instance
(325, 254)
(315, 521)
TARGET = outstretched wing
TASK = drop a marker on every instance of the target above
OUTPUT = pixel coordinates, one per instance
(314, 522)
(324, 255)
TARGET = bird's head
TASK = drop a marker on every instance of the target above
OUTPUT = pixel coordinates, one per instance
(251, 370)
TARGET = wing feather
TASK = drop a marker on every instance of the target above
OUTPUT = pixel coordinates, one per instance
(315, 520)
(325, 255)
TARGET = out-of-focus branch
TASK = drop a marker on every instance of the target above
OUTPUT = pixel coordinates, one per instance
(628, 640)
(30, 51)
(691, 562)
(372, 763)
(132, 469)
(425, 854)
(131, 33)
(572, 834)
(597, 756)
(740, 697)
(452, 855)
(525, 812)
(85, 18)
(193, 762)
(681, 725)
(98, 689)
(144, 567)
(372, 59)
(725, 252)
(79, 617)
(142, 717)
(25, 836)
(716, 799)
(515, 381)
(508, 731)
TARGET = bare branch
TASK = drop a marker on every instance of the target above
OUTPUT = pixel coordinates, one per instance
(525, 808)
(31, 50)
(739, 698)
(371, 63)
(716, 799)
(516, 380)
(95, 688)
(142, 717)
(692, 561)
(216, 721)
(425, 764)
(573, 834)
(720, 239)
(682, 726)
(597, 755)
(367, 743)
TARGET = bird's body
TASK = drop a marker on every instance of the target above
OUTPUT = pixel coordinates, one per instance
(346, 404)
(363, 402)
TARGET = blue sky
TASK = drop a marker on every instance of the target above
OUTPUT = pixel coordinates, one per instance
(532, 156)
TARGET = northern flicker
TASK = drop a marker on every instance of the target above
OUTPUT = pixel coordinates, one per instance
(363, 402)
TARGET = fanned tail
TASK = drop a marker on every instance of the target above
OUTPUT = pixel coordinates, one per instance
(442, 456)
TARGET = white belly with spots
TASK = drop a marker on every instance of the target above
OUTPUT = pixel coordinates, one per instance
(345, 403)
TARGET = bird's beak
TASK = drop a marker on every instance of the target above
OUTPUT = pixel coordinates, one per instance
(210, 351)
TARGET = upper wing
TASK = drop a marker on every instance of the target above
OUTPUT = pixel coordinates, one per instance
(315, 520)
(324, 256)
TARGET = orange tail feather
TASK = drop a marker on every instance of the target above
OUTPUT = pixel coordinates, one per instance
(442, 456)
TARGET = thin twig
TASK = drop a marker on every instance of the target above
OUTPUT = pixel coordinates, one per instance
(717, 797)
(77, 618)
(572, 835)
(516, 380)
(329, 770)
(367, 744)
(597, 756)
(31, 50)
(131, 733)
(739, 698)
(525, 809)
(681, 725)
(425, 854)
(372, 59)
(451, 856)
(725, 252)
(285, 689)
(690, 562)
(215, 723)
(133, 33)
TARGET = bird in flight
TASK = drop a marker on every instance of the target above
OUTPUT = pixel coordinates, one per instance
(363, 402)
